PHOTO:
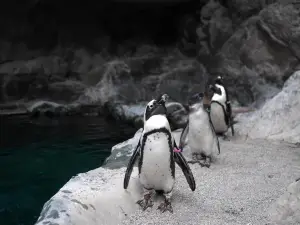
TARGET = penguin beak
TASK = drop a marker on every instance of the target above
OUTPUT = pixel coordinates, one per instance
(162, 99)
(159, 109)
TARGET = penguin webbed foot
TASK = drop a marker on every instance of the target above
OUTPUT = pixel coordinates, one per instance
(146, 202)
(201, 159)
(207, 162)
(166, 205)
(223, 136)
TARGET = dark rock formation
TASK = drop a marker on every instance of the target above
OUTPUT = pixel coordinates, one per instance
(131, 51)
(259, 55)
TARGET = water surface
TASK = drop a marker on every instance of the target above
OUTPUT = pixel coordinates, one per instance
(37, 157)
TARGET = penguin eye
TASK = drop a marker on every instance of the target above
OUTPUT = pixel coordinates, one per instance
(152, 105)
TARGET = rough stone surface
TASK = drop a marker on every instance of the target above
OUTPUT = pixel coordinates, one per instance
(239, 188)
(251, 57)
(223, 195)
(121, 153)
(286, 210)
(279, 118)
(96, 197)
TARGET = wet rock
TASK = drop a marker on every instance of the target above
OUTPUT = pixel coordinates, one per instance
(49, 109)
(121, 153)
(132, 114)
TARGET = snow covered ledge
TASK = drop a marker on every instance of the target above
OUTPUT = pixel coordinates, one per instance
(93, 198)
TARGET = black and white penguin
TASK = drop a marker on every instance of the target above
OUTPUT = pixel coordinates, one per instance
(200, 131)
(220, 108)
(157, 159)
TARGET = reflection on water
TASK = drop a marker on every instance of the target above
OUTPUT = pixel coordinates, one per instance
(38, 156)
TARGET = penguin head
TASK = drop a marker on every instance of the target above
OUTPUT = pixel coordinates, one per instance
(199, 101)
(156, 107)
(215, 89)
(161, 99)
(196, 99)
(219, 80)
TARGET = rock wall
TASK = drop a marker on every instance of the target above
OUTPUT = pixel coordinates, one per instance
(278, 119)
(252, 43)
(254, 53)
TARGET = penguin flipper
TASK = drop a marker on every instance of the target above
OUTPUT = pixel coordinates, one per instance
(130, 165)
(182, 163)
(183, 135)
(214, 132)
(229, 115)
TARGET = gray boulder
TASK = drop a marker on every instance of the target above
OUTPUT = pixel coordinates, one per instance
(278, 119)
(286, 210)
(121, 153)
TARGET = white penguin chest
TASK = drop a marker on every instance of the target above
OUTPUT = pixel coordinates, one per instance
(157, 151)
(200, 136)
(157, 147)
(218, 117)
(221, 98)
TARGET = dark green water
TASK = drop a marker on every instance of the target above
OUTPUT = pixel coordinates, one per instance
(38, 157)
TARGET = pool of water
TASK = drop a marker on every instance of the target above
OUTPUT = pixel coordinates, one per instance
(37, 157)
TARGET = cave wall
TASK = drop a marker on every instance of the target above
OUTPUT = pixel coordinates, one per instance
(42, 24)
(101, 51)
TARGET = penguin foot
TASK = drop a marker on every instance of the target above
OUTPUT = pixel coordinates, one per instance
(202, 163)
(146, 202)
(165, 206)
(207, 162)
(193, 161)
(225, 138)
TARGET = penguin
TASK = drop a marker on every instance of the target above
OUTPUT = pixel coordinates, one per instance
(156, 167)
(200, 131)
(220, 108)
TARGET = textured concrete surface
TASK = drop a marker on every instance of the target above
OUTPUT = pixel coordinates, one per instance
(239, 188)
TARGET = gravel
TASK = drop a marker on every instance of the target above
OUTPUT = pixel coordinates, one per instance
(239, 187)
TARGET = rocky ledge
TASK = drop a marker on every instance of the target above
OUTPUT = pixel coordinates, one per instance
(223, 195)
